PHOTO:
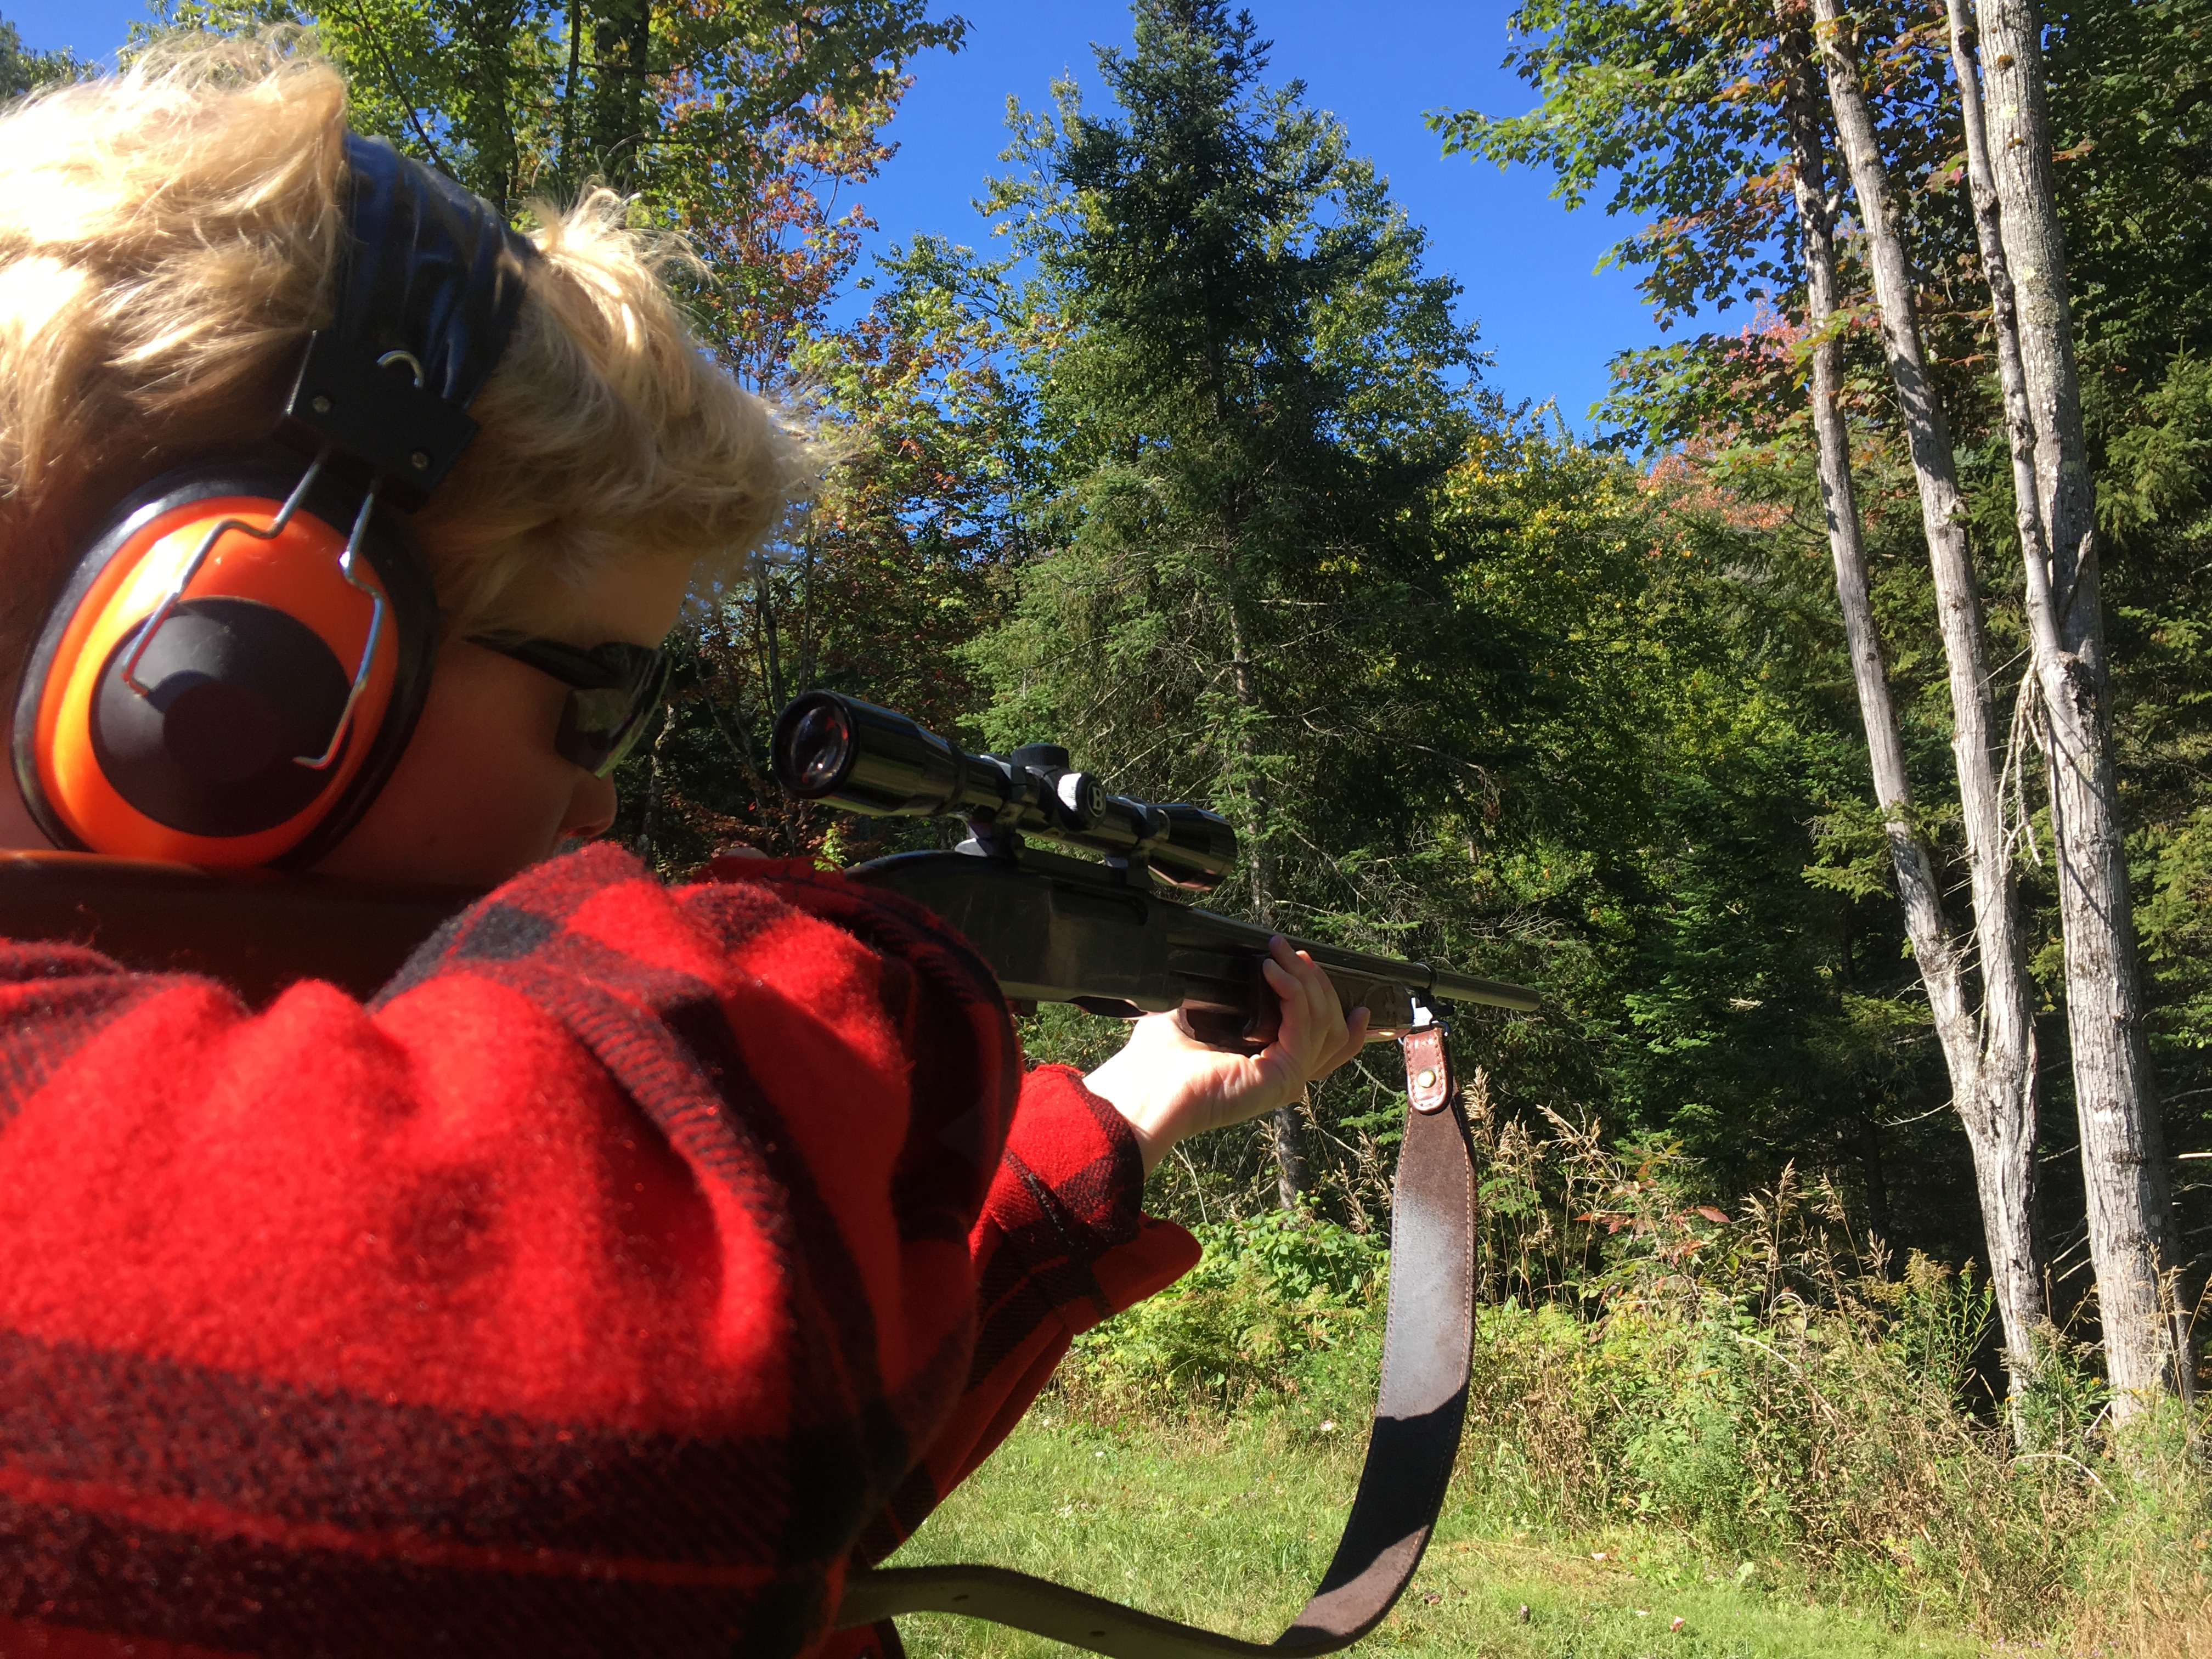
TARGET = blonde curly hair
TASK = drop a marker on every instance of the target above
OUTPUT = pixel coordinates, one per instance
(167, 240)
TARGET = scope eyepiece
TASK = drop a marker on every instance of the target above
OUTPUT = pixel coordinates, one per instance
(1200, 845)
(875, 760)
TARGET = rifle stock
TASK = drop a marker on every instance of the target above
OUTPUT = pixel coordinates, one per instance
(255, 930)
(1061, 929)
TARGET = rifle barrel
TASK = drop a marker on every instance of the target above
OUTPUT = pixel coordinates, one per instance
(1495, 994)
(1440, 983)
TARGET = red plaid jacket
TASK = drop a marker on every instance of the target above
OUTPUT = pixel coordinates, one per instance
(637, 1261)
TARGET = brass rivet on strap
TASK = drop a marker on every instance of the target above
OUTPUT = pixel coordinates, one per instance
(1427, 1079)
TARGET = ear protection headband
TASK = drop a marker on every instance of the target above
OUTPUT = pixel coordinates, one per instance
(241, 651)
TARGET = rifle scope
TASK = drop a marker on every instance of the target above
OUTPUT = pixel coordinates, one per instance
(864, 759)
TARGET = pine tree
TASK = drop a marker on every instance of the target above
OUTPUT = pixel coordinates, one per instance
(1243, 424)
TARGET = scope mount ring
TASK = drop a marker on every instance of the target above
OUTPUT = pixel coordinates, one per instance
(992, 840)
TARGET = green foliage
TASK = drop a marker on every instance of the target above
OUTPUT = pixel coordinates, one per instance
(695, 107)
(2158, 466)
(1737, 1395)
(2129, 80)
(1282, 1307)
(23, 71)
(1792, 1436)
(1939, 1323)
(1469, 690)
(2155, 499)
(1676, 112)
(1198, 478)
(1233, 589)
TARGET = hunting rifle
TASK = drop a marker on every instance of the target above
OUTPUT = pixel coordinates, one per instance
(1052, 928)
(1099, 934)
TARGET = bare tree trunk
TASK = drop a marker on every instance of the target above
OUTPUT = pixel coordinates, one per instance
(2123, 1154)
(768, 644)
(2012, 373)
(621, 42)
(1995, 1091)
(649, 847)
(571, 185)
(1917, 884)
(1285, 1134)
(1877, 1186)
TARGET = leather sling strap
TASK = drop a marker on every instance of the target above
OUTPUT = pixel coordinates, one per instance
(1426, 1346)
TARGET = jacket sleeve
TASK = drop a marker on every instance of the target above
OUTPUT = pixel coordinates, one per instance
(1060, 1242)
(1060, 1245)
(588, 1294)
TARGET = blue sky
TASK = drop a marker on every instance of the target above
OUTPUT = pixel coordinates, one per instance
(1524, 263)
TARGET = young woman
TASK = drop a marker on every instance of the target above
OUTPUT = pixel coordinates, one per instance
(639, 1258)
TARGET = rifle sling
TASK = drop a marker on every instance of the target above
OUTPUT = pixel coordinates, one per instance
(1427, 1347)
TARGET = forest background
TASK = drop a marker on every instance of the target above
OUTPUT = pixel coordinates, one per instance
(1574, 714)
(1194, 469)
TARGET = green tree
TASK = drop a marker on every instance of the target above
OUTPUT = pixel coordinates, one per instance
(882, 584)
(1679, 110)
(1237, 593)
(23, 71)
(695, 108)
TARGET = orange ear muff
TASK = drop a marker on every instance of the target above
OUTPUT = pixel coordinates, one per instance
(229, 678)
(232, 735)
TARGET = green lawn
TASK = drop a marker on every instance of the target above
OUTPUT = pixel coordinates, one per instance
(1230, 1526)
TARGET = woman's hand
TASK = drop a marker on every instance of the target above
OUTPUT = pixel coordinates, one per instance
(1169, 1086)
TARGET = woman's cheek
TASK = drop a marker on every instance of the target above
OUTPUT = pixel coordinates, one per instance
(479, 793)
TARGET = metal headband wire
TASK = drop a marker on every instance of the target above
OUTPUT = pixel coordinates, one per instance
(221, 526)
(377, 607)
(348, 561)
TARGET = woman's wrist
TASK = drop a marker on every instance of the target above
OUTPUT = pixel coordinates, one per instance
(1118, 1084)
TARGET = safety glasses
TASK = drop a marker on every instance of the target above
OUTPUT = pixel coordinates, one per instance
(612, 690)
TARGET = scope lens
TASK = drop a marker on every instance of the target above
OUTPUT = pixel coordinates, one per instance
(821, 746)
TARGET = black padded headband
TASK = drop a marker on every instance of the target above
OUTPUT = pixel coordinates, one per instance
(430, 286)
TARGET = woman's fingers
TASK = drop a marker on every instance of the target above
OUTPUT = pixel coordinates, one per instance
(1355, 1037)
(1313, 1031)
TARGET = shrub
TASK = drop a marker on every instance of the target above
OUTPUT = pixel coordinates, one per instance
(1752, 1390)
(1792, 1438)
(1281, 1309)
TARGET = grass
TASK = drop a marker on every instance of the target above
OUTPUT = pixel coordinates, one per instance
(1736, 1419)
(1227, 1523)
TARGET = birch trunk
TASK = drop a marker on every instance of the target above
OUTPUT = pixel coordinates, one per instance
(1993, 1079)
(1286, 1138)
(2123, 1154)
(1917, 884)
